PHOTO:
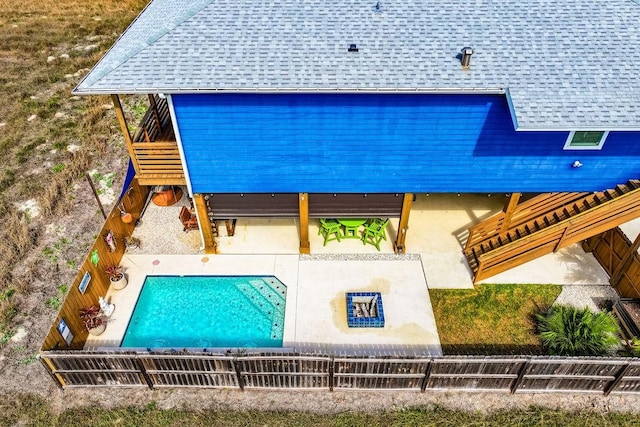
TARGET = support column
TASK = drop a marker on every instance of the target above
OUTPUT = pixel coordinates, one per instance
(125, 131)
(624, 262)
(508, 210)
(303, 203)
(205, 225)
(403, 225)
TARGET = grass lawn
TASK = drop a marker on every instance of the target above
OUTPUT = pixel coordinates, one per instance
(490, 319)
(35, 411)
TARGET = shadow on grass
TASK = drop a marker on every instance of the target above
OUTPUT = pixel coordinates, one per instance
(492, 350)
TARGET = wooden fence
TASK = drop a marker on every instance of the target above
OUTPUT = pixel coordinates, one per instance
(620, 259)
(322, 372)
(98, 282)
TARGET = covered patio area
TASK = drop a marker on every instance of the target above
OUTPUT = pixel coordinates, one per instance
(437, 231)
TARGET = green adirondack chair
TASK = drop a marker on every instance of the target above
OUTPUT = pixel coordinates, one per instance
(375, 232)
(330, 230)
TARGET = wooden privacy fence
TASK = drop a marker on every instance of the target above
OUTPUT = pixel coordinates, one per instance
(92, 276)
(321, 372)
(620, 259)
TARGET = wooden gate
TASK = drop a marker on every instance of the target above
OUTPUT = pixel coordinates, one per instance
(619, 257)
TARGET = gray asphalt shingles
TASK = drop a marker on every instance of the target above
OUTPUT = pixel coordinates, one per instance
(567, 64)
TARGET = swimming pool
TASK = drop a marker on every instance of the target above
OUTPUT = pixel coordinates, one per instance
(208, 312)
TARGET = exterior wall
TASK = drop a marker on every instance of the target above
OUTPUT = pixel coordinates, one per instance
(376, 143)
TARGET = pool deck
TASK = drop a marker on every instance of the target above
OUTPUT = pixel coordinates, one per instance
(315, 316)
(316, 309)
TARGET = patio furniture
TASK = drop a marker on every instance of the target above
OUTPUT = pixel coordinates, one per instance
(189, 220)
(375, 232)
(351, 226)
(166, 195)
(382, 223)
(330, 229)
(231, 226)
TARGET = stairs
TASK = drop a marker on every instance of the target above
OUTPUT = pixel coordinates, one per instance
(268, 296)
(546, 223)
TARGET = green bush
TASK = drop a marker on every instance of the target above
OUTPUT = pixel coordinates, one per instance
(570, 331)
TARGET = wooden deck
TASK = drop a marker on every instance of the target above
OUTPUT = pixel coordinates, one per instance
(156, 156)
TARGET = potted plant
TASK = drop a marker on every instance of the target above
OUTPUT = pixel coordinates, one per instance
(92, 318)
(116, 276)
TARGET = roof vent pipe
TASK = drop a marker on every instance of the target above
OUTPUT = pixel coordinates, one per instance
(466, 56)
(353, 47)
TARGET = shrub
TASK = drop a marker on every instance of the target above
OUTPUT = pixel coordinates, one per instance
(570, 331)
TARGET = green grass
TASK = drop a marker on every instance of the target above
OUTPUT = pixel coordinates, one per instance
(35, 411)
(491, 319)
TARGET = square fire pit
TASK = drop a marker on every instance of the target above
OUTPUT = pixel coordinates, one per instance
(364, 310)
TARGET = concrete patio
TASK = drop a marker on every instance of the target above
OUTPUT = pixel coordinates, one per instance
(315, 319)
(315, 314)
(438, 227)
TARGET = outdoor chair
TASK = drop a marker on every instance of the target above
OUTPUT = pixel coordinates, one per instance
(189, 220)
(330, 230)
(382, 224)
(375, 232)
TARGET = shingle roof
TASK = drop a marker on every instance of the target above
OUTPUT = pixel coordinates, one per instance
(566, 64)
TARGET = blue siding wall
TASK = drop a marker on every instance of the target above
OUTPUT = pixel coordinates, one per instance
(368, 143)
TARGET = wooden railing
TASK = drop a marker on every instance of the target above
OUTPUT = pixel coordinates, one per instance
(155, 152)
(546, 224)
(156, 123)
(539, 206)
(323, 372)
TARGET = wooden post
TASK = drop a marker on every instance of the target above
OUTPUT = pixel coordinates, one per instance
(427, 374)
(205, 224)
(95, 194)
(156, 115)
(508, 210)
(618, 378)
(140, 365)
(403, 225)
(125, 131)
(520, 376)
(50, 368)
(624, 262)
(332, 368)
(303, 203)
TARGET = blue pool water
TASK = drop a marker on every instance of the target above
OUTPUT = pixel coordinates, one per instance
(208, 311)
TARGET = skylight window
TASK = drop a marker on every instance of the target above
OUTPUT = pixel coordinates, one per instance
(586, 140)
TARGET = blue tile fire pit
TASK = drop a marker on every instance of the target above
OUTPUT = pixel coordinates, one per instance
(364, 310)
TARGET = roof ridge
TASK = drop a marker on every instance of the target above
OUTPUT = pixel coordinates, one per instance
(149, 26)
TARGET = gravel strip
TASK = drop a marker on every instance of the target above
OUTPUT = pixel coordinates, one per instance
(596, 297)
(360, 257)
